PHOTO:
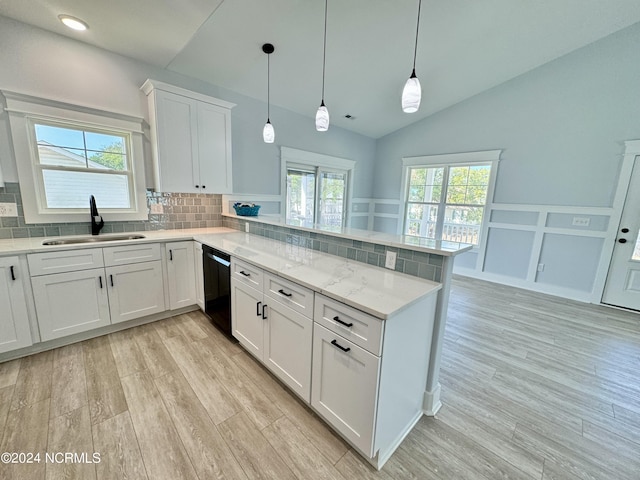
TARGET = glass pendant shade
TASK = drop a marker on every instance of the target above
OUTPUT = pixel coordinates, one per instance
(322, 118)
(268, 134)
(411, 94)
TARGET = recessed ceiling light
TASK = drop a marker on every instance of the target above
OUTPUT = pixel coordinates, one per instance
(73, 22)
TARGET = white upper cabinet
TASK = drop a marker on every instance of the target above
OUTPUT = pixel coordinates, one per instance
(191, 140)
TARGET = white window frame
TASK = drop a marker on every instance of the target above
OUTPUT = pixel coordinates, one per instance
(303, 160)
(25, 111)
(486, 157)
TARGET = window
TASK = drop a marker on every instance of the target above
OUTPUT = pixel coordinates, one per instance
(447, 201)
(316, 188)
(305, 208)
(74, 163)
(66, 153)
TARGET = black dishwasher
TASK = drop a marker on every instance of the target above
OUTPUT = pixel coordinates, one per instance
(217, 287)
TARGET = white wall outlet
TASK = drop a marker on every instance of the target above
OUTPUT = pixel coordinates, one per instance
(246, 227)
(390, 261)
(541, 267)
(8, 210)
(156, 208)
(581, 221)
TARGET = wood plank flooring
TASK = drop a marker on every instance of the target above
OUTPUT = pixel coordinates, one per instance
(533, 387)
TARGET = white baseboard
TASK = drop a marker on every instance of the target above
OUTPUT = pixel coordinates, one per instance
(431, 403)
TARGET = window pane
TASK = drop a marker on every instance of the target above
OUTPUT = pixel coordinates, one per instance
(458, 175)
(476, 195)
(462, 224)
(63, 157)
(456, 194)
(64, 189)
(59, 137)
(102, 142)
(301, 188)
(332, 194)
(68, 147)
(421, 220)
(426, 184)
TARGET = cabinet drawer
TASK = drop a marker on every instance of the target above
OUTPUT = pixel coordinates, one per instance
(126, 254)
(247, 273)
(358, 327)
(65, 261)
(288, 293)
(344, 387)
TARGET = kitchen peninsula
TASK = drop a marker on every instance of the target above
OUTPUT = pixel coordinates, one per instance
(434, 261)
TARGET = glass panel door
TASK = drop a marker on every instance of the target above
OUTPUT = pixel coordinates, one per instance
(333, 191)
(301, 191)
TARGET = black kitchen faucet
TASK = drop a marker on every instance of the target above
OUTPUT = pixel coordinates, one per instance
(96, 220)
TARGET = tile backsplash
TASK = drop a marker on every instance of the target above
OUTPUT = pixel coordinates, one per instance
(180, 210)
(418, 264)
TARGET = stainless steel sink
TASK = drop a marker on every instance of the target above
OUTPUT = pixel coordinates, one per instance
(95, 239)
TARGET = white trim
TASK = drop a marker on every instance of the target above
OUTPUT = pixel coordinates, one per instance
(149, 85)
(466, 158)
(24, 110)
(296, 157)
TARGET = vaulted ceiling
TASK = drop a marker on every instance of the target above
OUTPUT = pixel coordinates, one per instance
(464, 48)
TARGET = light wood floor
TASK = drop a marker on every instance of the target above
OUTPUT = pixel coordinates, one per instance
(534, 387)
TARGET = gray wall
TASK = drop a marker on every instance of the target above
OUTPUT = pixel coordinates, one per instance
(47, 65)
(561, 128)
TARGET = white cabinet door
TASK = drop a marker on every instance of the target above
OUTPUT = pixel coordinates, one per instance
(181, 273)
(345, 386)
(287, 347)
(247, 324)
(135, 290)
(214, 148)
(14, 321)
(68, 303)
(199, 268)
(177, 149)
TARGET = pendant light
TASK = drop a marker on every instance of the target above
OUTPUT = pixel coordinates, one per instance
(322, 115)
(412, 91)
(268, 134)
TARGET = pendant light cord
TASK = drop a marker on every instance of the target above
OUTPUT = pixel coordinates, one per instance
(268, 86)
(324, 51)
(415, 50)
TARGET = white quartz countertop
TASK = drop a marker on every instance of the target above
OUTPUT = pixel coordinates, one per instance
(427, 245)
(374, 290)
(377, 291)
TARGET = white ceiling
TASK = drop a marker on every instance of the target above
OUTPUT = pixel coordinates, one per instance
(465, 46)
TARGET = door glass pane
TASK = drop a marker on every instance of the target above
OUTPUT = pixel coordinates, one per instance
(636, 249)
(333, 187)
(301, 188)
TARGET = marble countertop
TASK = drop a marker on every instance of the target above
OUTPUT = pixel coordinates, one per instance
(377, 291)
(440, 247)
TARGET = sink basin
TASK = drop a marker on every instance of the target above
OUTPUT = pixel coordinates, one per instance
(96, 239)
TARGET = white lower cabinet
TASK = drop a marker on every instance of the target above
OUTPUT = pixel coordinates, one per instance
(271, 330)
(135, 290)
(72, 302)
(14, 321)
(181, 274)
(96, 287)
(345, 386)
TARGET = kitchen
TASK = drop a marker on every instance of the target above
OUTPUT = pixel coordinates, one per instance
(76, 73)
